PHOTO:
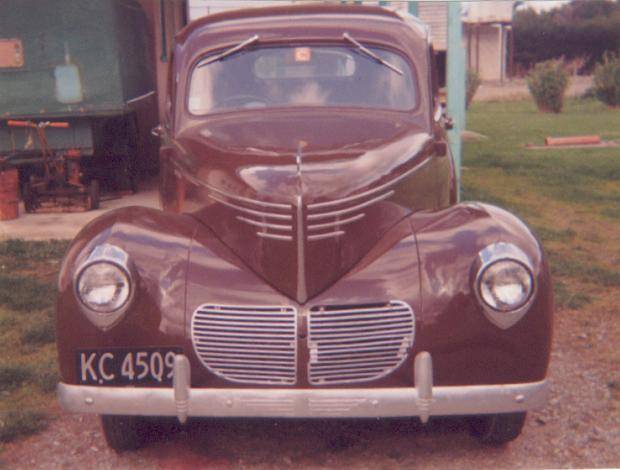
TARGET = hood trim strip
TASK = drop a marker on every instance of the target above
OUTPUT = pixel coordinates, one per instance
(302, 292)
(348, 210)
(270, 215)
(258, 223)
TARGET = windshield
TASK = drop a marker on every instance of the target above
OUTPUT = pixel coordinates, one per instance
(302, 76)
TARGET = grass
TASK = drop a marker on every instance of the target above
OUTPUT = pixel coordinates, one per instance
(570, 197)
(547, 234)
(13, 376)
(24, 294)
(21, 423)
(28, 370)
(39, 333)
(567, 298)
(26, 252)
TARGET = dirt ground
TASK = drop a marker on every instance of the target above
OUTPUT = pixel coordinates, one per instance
(579, 427)
(517, 89)
(65, 226)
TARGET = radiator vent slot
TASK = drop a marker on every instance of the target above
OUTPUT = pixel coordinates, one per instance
(247, 344)
(358, 343)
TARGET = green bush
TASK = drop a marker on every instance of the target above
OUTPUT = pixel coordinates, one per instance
(473, 82)
(579, 29)
(547, 83)
(607, 79)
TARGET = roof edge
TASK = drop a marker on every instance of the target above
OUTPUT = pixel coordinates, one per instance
(275, 11)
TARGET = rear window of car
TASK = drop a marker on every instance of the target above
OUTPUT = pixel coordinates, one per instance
(263, 77)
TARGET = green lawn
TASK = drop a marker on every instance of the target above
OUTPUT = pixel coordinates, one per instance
(28, 371)
(570, 197)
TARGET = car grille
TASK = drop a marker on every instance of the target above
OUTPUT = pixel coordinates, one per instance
(358, 343)
(247, 344)
(258, 345)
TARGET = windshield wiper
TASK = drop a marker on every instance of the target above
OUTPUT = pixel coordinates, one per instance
(229, 52)
(371, 54)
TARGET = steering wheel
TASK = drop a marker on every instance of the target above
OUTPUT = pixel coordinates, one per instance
(247, 101)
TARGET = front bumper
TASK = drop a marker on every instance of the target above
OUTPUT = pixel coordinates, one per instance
(423, 400)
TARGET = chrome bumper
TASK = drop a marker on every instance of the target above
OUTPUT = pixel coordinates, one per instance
(423, 400)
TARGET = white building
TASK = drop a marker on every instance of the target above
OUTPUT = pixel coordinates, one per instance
(487, 34)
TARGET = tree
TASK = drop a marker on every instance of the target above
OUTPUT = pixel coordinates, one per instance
(582, 29)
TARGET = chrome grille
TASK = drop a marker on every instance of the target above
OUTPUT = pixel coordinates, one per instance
(358, 343)
(247, 344)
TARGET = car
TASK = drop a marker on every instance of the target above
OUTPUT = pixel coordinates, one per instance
(311, 259)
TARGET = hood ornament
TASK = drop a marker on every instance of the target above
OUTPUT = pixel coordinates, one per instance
(298, 162)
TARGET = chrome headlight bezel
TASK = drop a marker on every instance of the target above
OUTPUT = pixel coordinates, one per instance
(497, 253)
(116, 257)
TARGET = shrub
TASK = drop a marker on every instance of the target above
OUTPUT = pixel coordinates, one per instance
(473, 82)
(607, 79)
(547, 83)
(581, 30)
(588, 94)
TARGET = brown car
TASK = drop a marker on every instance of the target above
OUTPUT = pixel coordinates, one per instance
(311, 259)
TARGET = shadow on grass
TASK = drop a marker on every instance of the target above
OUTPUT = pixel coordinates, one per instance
(24, 294)
(562, 265)
(23, 250)
(12, 376)
(19, 423)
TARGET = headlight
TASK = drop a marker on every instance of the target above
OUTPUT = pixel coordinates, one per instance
(504, 283)
(104, 285)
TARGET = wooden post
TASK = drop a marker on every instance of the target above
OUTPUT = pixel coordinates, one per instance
(456, 84)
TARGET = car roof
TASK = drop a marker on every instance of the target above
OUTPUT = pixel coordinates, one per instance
(349, 15)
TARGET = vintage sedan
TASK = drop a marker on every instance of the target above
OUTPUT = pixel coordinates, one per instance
(311, 259)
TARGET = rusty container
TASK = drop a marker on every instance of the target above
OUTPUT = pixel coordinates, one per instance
(9, 188)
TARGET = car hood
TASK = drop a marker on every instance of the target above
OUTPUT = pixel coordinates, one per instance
(299, 197)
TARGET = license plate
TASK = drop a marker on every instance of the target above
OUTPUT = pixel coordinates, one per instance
(144, 366)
